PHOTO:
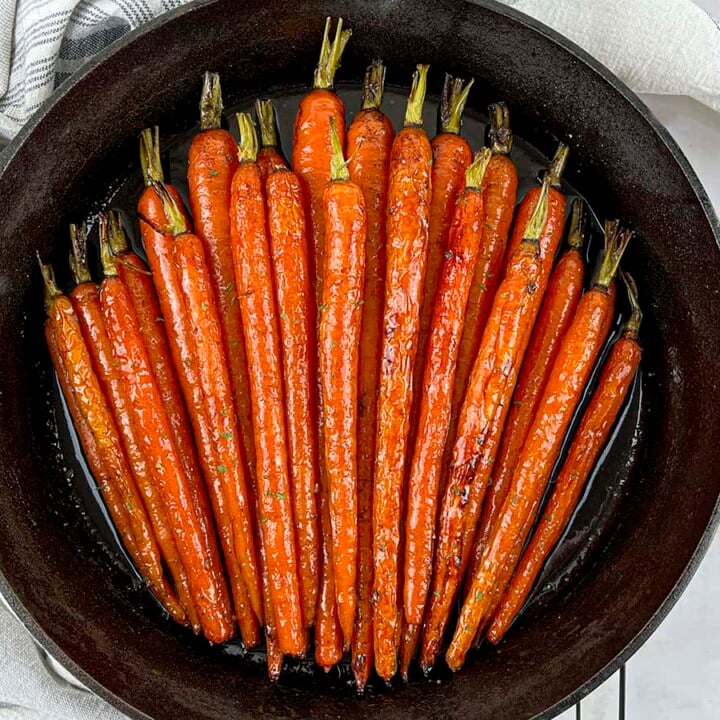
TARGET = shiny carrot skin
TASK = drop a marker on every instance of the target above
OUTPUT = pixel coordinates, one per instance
(561, 298)
(102, 444)
(408, 217)
(578, 352)
(482, 416)
(215, 381)
(451, 157)
(465, 237)
(253, 273)
(312, 148)
(339, 339)
(499, 192)
(289, 253)
(369, 142)
(212, 161)
(138, 280)
(200, 557)
(605, 405)
(269, 158)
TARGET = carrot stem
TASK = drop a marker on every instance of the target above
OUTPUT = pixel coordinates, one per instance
(454, 98)
(78, 254)
(578, 221)
(265, 112)
(536, 223)
(616, 240)
(557, 165)
(116, 232)
(373, 86)
(475, 172)
(150, 156)
(500, 135)
(632, 326)
(50, 286)
(211, 104)
(338, 163)
(107, 255)
(248, 145)
(176, 221)
(416, 99)
(330, 54)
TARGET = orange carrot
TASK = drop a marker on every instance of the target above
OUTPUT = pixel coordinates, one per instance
(451, 157)
(499, 191)
(561, 299)
(212, 161)
(200, 557)
(564, 387)
(289, 251)
(339, 338)
(101, 441)
(312, 147)
(369, 141)
(253, 273)
(269, 157)
(463, 245)
(607, 401)
(483, 413)
(408, 217)
(85, 299)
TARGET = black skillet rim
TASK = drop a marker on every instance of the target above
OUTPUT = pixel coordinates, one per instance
(6, 158)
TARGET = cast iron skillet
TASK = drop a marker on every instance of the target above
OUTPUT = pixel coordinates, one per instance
(54, 569)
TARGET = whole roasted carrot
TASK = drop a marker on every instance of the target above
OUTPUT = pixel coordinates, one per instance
(339, 339)
(212, 161)
(269, 157)
(465, 237)
(101, 440)
(212, 368)
(499, 191)
(561, 299)
(200, 557)
(138, 280)
(483, 412)
(604, 407)
(289, 253)
(253, 274)
(160, 248)
(408, 218)
(369, 142)
(312, 146)
(85, 299)
(564, 387)
(451, 157)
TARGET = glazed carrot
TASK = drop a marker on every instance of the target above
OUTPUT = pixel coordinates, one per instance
(451, 157)
(561, 299)
(289, 252)
(562, 393)
(592, 434)
(253, 274)
(408, 217)
(212, 161)
(339, 339)
(199, 556)
(97, 429)
(312, 148)
(269, 157)
(138, 280)
(483, 412)
(369, 141)
(85, 299)
(328, 633)
(465, 237)
(212, 368)
(499, 191)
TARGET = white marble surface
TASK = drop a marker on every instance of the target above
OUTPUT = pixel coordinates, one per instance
(676, 674)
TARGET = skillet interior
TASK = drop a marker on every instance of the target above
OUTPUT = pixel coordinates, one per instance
(55, 567)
